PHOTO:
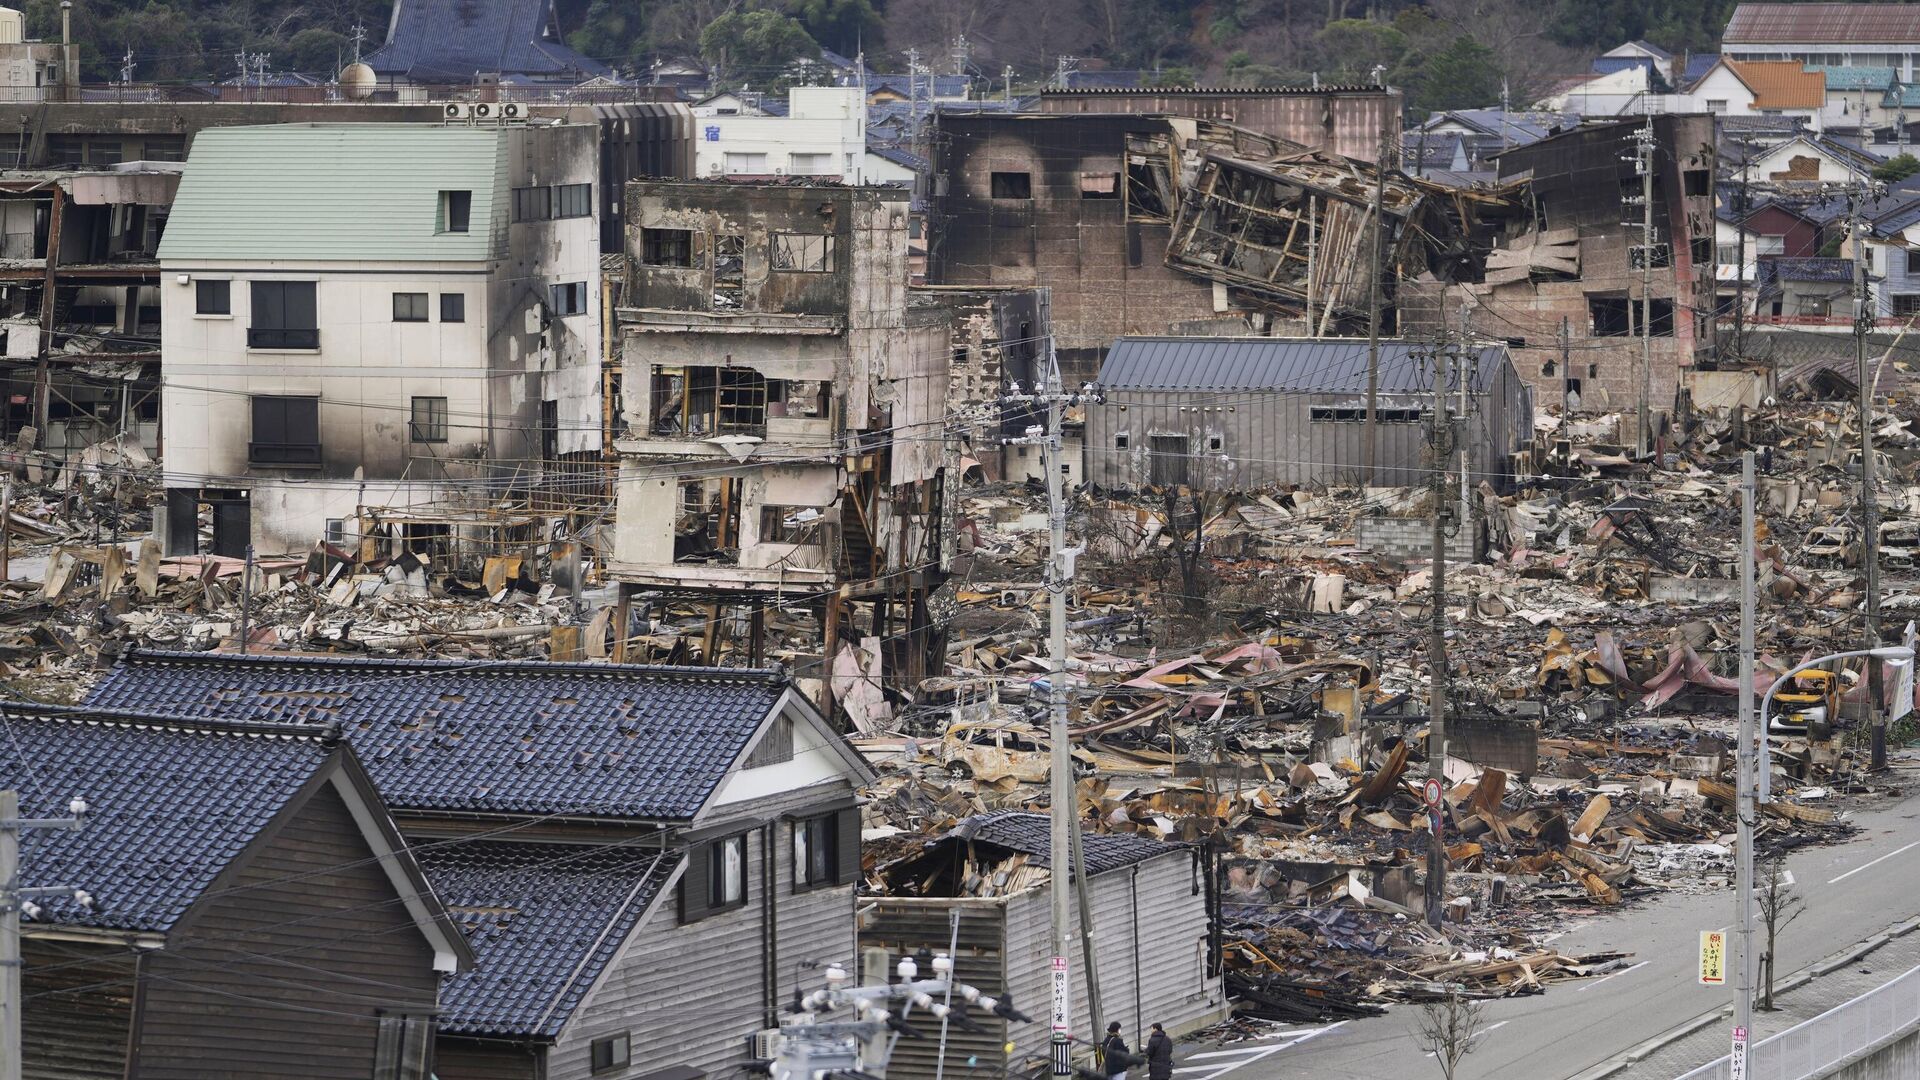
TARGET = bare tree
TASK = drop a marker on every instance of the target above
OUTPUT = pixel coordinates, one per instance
(1779, 905)
(1447, 1028)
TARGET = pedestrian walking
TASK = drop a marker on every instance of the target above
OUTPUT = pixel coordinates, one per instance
(1114, 1057)
(1159, 1055)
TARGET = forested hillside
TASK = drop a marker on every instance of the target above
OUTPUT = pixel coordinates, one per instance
(1444, 52)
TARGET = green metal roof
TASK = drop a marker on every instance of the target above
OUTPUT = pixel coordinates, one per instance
(339, 192)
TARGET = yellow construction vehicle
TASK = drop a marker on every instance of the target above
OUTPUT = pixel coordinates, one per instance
(1812, 698)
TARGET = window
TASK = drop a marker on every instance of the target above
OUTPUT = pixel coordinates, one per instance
(1338, 414)
(568, 298)
(403, 1048)
(1099, 185)
(826, 850)
(1012, 185)
(1121, 441)
(666, 247)
(612, 1052)
(753, 164)
(1770, 244)
(453, 307)
(1908, 304)
(813, 859)
(1217, 443)
(573, 200)
(409, 307)
(284, 316)
(1662, 311)
(807, 254)
(789, 525)
(1816, 307)
(1698, 181)
(1717, 106)
(1609, 316)
(336, 531)
(729, 272)
(212, 297)
(456, 211)
(723, 884)
(532, 203)
(809, 164)
(429, 423)
(1727, 254)
(286, 431)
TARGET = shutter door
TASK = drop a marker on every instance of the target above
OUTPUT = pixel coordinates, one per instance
(694, 887)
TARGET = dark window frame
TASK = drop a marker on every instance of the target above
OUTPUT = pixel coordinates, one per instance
(294, 422)
(716, 873)
(410, 307)
(431, 429)
(453, 307)
(456, 210)
(672, 248)
(572, 201)
(284, 315)
(815, 852)
(569, 290)
(802, 253)
(1012, 186)
(610, 1052)
(223, 286)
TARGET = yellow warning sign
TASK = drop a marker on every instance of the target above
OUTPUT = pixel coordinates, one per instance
(1713, 958)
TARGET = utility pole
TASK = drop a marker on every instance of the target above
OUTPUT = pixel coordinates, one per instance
(1371, 449)
(15, 901)
(1742, 204)
(1440, 434)
(1869, 507)
(1064, 840)
(1643, 164)
(246, 597)
(1465, 370)
(1743, 768)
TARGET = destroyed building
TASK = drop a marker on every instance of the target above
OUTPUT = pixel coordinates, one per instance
(1150, 225)
(1234, 414)
(424, 335)
(999, 347)
(1570, 261)
(784, 407)
(80, 303)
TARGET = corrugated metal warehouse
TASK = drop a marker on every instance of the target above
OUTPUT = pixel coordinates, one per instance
(1150, 930)
(1243, 413)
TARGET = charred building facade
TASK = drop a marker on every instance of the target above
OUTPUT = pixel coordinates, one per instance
(784, 406)
(1345, 120)
(1570, 259)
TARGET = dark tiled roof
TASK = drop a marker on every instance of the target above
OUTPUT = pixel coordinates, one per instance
(543, 921)
(451, 41)
(1031, 833)
(506, 737)
(171, 805)
(1835, 24)
(1698, 64)
(1331, 365)
(1818, 270)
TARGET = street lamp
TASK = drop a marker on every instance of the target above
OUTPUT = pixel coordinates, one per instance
(1748, 797)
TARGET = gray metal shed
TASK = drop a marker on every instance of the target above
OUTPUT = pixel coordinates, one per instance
(1252, 412)
(1150, 936)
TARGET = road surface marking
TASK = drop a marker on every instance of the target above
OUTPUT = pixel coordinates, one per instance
(1479, 1033)
(1875, 862)
(1615, 975)
(1251, 1054)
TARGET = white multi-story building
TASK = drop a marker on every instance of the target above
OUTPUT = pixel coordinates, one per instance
(377, 315)
(824, 134)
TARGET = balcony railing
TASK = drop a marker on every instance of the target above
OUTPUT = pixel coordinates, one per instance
(282, 339)
(284, 455)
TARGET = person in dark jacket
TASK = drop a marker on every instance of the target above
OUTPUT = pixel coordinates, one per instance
(1114, 1057)
(1159, 1055)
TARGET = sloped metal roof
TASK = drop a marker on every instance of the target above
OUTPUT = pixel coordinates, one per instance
(1837, 24)
(1298, 365)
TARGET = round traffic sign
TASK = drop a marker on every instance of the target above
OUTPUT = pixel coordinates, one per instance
(1433, 794)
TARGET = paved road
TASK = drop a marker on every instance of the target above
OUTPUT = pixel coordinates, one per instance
(1852, 891)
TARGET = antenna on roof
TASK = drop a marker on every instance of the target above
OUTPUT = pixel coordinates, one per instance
(358, 34)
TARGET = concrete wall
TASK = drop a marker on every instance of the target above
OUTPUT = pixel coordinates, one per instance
(827, 122)
(1895, 1058)
(1409, 539)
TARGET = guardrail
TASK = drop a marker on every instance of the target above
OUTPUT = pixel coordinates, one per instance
(1812, 1045)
